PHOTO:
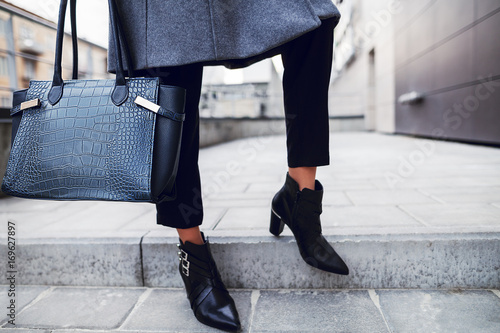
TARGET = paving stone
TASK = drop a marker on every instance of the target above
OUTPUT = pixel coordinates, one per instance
(224, 203)
(336, 198)
(146, 222)
(455, 214)
(387, 197)
(479, 194)
(23, 296)
(169, 310)
(30, 220)
(345, 184)
(316, 311)
(432, 181)
(17, 330)
(366, 216)
(12, 204)
(104, 216)
(264, 188)
(245, 219)
(441, 311)
(85, 308)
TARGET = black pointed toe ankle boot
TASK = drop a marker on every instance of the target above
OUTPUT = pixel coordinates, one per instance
(210, 301)
(300, 211)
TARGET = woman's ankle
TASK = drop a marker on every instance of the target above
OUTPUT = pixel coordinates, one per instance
(304, 176)
(192, 235)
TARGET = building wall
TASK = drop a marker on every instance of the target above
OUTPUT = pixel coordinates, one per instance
(363, 79)
(447, 50)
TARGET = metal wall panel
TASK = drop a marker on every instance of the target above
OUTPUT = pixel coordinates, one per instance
(445, 51)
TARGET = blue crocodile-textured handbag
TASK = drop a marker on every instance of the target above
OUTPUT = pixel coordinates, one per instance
(115, 139)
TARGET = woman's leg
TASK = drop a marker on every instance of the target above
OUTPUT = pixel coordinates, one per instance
(304, 176)
(192, 235)
(185, 212)
(210, 301)
(307, 61)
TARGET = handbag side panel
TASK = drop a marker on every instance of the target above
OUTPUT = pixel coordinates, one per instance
(167, 144)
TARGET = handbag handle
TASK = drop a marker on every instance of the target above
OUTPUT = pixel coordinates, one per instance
(120, 91)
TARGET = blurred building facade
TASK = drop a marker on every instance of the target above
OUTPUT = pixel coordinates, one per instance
(27, 51)
(428, 68)
(27, 45)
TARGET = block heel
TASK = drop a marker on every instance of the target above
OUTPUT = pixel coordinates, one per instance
(277, 224)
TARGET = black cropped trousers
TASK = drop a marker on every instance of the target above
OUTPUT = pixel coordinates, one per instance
(307, 62)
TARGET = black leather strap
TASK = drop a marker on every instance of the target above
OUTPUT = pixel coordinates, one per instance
(74, 37)
(120, 92)
(171, 114)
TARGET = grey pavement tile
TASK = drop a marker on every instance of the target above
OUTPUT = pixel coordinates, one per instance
(101, 216)
(250, 196)
(12, 204)
(440, 311)
(366, 216)
(17, 330)
(226, 203)
(264, 188)
(387, 197)
(478, 194)
(246, 218)
(84, 308)
(455, 214)
(316, 311)
(212, 216)
(346, 184)
(31, 220)
(145, 222)
(22, 296)
(436, 182)
(214, 187)
(447, 170)
(169, 310)
(336, 198)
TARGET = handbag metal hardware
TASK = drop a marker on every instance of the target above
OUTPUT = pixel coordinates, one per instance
(147, 104)
(30, 104)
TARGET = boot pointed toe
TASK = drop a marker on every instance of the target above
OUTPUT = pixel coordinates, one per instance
(219, 312)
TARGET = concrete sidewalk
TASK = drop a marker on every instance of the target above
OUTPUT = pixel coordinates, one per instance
(97, 309)
(402, 212)
(376, 184)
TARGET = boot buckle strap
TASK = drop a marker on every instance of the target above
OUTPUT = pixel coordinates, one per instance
(183, 256)
(185, 267)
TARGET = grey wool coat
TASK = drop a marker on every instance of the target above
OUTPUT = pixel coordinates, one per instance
(177, 32)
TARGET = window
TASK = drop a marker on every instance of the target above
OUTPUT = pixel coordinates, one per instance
(26, 32)
(3, 27)
(4, 68)
(6, 102)
(50, 41)
(29, 69)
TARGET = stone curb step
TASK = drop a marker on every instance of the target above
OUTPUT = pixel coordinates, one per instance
(262, 262)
